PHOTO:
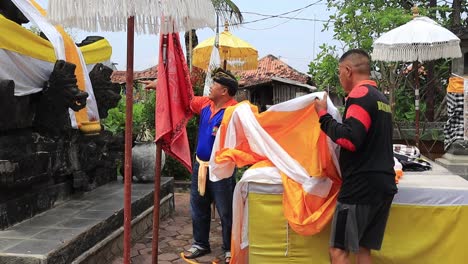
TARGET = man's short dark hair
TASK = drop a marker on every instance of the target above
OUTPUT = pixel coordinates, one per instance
(354, 52)
(227, 79)
(359, 58)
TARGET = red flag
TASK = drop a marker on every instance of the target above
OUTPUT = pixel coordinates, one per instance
(173, 95)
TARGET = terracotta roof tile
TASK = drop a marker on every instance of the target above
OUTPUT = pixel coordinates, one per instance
(268, 67)
(150, 73)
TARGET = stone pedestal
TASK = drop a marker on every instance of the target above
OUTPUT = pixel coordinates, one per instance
(456, 163)
(88, 228)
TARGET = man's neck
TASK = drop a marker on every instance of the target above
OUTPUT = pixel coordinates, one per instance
(219, 104)
(360, 78)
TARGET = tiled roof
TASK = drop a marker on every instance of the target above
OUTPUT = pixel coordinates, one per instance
(150, 73)
(268, 67)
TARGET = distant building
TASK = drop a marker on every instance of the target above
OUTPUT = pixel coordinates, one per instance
(272, 82)
(148, 74)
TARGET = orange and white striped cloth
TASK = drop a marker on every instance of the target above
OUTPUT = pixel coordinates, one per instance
(283, 145)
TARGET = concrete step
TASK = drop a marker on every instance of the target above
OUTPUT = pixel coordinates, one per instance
(78, 228)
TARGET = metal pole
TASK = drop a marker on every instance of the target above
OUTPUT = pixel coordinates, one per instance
(315, 20)
(157, 194)
(157, 176)
(416, 102)
(128, 142)
(190, 50)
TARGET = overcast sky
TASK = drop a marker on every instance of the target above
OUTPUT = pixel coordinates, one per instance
(291, 40)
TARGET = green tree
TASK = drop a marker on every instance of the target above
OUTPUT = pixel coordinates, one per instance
(356, 24)
(324, 69)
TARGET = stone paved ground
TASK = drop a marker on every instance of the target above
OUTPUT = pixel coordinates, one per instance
(175, 235)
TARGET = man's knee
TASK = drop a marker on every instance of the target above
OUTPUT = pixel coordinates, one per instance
(338, 255)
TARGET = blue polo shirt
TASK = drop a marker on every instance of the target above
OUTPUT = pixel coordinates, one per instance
(209, 123)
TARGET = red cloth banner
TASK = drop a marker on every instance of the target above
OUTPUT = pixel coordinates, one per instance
(173, 95)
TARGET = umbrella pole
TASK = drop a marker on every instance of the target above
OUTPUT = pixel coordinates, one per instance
(128, 142)
(157, 193)
(416, 102)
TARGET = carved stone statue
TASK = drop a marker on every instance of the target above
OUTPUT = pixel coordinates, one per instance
(59, 93)
(107, 93)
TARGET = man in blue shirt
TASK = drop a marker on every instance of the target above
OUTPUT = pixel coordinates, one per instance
(203, 191)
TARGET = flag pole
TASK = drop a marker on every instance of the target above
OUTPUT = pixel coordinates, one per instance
(157, 178)
(157, 188)
(128, 142)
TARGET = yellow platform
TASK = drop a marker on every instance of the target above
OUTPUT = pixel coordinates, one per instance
(428, 224)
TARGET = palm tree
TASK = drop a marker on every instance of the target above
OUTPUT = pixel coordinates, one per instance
(226, 10)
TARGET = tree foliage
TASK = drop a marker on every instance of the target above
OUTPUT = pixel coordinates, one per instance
(356, 24)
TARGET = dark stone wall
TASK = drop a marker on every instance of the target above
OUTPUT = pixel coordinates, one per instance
(42, 159)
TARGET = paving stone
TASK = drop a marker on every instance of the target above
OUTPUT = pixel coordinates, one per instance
(177, 243)
(166, 233)
(161, 244)
(24, 232)
(8, 242)
(142, 259)
(184, 237)
(39, 247)
(168, 256)
(139, 246)
(207, 258)
(58, 234)
(186, 231)
(134, 252)
(145, 251)
(78, 223)
(118, 260)
(174, 228)
(179, 261)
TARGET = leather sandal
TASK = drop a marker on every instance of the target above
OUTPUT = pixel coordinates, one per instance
(196, 252)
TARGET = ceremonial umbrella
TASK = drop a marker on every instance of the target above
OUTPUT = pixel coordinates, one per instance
(235, 53)
(141, 16)
(421, 39)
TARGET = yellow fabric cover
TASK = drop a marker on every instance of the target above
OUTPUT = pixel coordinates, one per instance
(18, 39)
(455, 85)
(415, 234)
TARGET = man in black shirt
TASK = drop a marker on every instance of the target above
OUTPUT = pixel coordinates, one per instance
(366, 161)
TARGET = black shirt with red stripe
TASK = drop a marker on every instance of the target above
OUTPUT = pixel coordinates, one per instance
(365, 137)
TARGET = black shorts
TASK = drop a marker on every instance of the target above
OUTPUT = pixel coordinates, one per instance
(359, 225)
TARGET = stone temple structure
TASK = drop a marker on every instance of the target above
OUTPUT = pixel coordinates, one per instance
(42, 159)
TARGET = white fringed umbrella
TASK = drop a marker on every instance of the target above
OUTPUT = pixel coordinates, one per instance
(112, 15)
(141, 16)
(421, 39)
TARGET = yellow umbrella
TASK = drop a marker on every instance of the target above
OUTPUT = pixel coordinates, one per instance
(236, 53)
